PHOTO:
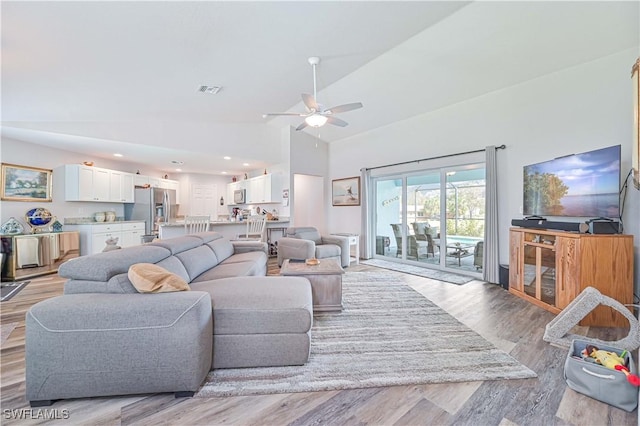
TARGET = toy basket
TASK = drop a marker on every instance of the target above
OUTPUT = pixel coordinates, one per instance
(599, 382)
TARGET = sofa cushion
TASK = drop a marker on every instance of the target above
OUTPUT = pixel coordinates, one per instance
(222, 248)
(197, 260)
(178, 244)
(111, 263)
(327, 250)
(252, 256)
(237, 269)
(150, 278)
(173, 264)
(260, 305)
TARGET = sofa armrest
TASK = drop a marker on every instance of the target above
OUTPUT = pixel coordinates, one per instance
(295, 248)
(247, 246)
(343, 242)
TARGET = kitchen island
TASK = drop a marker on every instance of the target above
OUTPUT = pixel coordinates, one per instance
(230, 230)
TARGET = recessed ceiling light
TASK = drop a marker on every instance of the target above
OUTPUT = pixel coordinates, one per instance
(245, 164)
(178, 170)
(226, 158)
(117, 155)
(224, 173)
(209, 89)
(180, 163)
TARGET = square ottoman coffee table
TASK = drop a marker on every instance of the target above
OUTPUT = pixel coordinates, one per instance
(326, 282)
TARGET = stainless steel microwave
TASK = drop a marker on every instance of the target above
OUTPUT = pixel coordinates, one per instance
(239, 196)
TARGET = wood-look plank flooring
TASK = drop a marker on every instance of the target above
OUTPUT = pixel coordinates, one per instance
(510, 323)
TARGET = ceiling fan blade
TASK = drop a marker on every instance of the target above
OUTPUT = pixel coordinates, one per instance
(309, 102)
(302, 126)
(271, 114)
(336, 121)
(344, 108)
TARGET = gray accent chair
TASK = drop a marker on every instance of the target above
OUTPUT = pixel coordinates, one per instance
(305, 242)
(104, 338)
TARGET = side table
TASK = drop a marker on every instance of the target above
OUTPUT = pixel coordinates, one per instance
(354, 241)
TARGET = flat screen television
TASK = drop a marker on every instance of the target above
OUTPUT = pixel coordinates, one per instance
(577, 185)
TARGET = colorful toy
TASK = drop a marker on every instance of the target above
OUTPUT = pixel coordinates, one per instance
(610, 360)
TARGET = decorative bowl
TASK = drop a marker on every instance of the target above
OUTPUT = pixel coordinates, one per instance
(38, 217)
(11, 226)
(99, 217)
(312, 262)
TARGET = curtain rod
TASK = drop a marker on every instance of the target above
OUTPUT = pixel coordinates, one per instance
(430, 158)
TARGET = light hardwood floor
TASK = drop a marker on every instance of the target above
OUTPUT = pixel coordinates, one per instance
(510, 323)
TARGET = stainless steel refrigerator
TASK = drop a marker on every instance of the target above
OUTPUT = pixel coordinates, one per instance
(154, 206)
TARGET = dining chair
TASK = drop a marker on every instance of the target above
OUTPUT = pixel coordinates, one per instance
(195, 224)
(255, 229)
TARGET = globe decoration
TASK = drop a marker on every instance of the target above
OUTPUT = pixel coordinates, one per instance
(38, 218)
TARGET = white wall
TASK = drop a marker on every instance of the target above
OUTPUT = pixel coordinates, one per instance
(575, 110)
(309, 201)
(309, 156)
(26, 154)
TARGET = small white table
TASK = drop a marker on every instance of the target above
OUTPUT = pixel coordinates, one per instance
(354, 241)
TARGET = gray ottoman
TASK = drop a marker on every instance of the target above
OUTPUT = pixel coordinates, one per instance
(260, 322)
(81, 345)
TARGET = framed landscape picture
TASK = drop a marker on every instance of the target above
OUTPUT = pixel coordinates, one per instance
(346, 192)
(22, 183)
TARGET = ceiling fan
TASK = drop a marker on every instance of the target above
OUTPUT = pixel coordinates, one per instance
(316, 115)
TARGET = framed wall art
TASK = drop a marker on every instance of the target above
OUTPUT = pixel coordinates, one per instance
(23, 183)
(346, 192)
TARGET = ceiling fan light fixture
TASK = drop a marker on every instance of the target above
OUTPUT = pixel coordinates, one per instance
(316, 120)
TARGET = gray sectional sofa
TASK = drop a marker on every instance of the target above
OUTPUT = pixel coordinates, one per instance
(103, 338)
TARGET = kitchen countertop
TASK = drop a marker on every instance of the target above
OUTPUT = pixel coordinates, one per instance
(90, 221)
(220, 223)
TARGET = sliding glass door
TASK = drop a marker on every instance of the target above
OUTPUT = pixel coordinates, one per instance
(432, 218)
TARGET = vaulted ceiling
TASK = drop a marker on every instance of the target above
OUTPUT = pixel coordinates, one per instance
(100, 77)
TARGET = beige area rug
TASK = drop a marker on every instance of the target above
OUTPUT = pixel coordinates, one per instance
(387, 334)
(5, 331)
(420, 271)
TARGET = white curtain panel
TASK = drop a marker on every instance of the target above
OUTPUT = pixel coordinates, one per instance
(365, 232)
(491, 254)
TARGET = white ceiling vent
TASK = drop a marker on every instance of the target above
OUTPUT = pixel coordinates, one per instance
(210, 89)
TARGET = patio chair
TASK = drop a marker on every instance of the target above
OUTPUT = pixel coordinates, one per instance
(424, 232)
(415, 248)
(477, 255)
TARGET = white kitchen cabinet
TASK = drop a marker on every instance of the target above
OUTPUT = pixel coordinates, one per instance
(83, 183)
(260, 189)
(263, 189)
(93, 236)
(121, 189)
(132, 233)
(140, 180)
(99, 241)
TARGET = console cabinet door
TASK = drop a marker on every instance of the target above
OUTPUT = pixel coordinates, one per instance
(515, 261)
(568, 270)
